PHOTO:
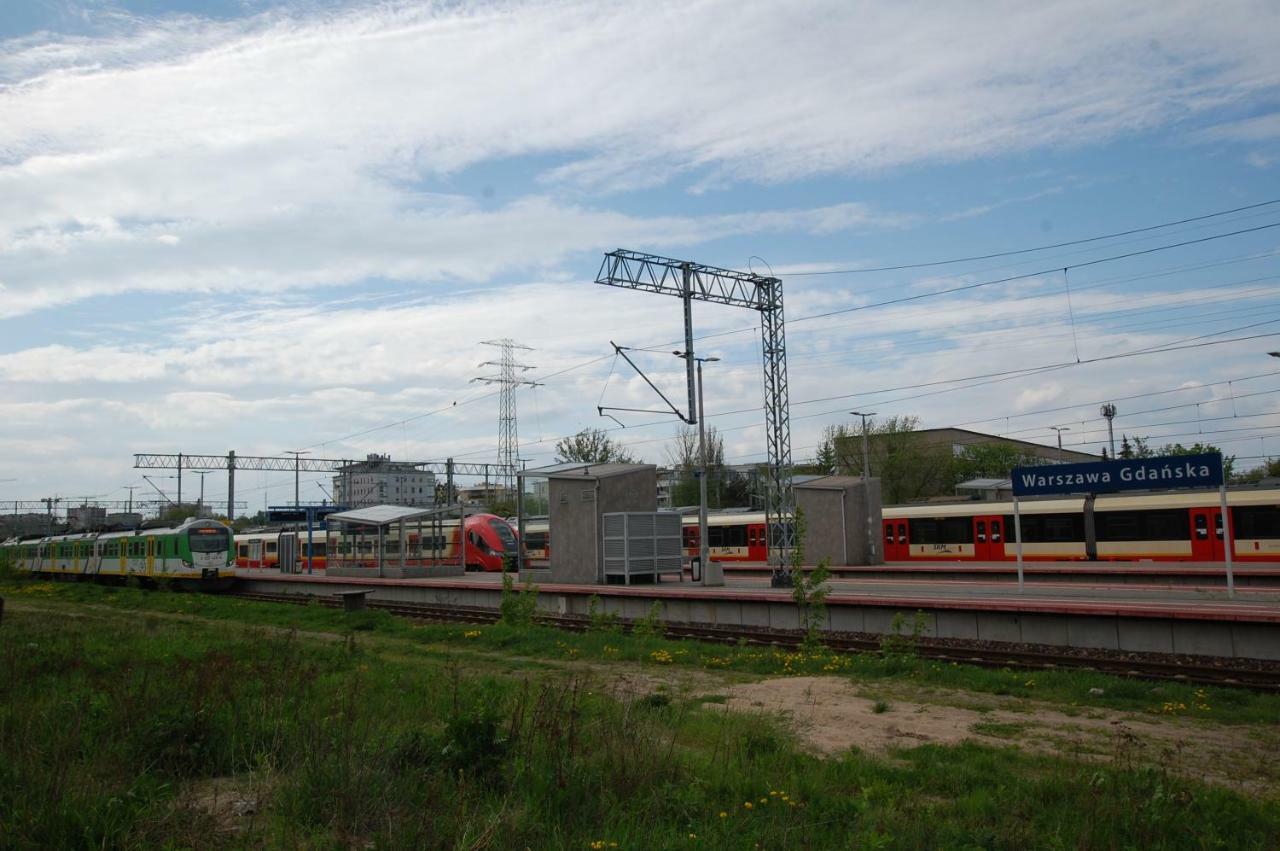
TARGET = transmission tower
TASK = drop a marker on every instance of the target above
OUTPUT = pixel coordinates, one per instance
(508, 440)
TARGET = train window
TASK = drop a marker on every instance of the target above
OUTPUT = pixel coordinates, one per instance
(271, 546)
(902, 533)
(926, 531)
(982, 530)
(957, 530)
(690, 537)
(1050, 528)
(995, 531)
(888, 534)
(944, 530)
(1262, 521)
(1143, 525)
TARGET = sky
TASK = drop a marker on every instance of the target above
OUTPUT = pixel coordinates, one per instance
(266, 226)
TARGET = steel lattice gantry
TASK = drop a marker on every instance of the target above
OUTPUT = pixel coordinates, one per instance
(696, 282)
(292, 464)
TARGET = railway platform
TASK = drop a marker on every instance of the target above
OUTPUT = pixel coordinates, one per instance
(1130, 617)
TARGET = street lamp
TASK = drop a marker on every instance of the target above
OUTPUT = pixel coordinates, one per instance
(704, 558)
(872, 537)
(866, 453)
(1060, 430)
(200, 504)
(297, 471)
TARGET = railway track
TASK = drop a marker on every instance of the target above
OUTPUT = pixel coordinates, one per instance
(1011, 656)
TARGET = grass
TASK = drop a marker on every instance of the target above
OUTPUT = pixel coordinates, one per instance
(379, 733)
(542, 645)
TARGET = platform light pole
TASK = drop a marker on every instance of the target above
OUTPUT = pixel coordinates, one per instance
(297, 473)
(704, 555)
(1060, 430)
(200, 504)
(872, 537)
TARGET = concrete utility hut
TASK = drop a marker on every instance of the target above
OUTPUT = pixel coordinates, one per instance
(392, 542)
(579, 496)
(842, 517)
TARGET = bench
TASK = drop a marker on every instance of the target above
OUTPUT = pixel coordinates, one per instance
(353, 601)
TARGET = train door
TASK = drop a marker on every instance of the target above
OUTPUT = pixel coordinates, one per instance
(986, 534)
(255, 553)
(1206, 535)
(151, 555)
(896, 547)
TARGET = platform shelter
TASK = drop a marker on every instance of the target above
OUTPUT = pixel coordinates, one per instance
(394, 542)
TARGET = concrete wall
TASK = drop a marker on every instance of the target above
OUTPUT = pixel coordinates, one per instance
(577, 503)
(836, 521)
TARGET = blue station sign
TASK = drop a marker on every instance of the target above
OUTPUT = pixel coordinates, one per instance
(1172, 471)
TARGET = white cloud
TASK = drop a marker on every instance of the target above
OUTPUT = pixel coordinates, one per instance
(294, 150)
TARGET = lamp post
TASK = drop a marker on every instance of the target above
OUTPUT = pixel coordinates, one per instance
(704, 558)
(866, 480)
(1060, 430)
(200, 504)
(297, 472)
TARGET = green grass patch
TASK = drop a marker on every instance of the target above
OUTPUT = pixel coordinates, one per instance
(998, 729)
(111, 715)
(538, 646)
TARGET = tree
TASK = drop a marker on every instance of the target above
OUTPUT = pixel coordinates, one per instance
(992, 460)
(909, 466)
(683, 456)
(1228, 461)
(591, 446)
(1136, 449)
(1268, 470)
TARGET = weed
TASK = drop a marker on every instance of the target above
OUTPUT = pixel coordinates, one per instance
(880, 707)
(810, 593)
(651, 625)
(600, 620)
(517, 608)
(904, 649)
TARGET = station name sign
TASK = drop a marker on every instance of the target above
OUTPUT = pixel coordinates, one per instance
(1172, 471)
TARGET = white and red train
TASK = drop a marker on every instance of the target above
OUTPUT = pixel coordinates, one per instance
(1185, 526)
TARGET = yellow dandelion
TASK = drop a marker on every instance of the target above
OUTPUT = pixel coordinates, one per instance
(748, 805)
(723, 814)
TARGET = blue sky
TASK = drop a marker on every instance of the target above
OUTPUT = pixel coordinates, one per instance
(263, 226)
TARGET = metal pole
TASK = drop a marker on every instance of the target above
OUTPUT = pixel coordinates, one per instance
(1017, 536)
(179, 480)
(1226, 539)
(704, 550)
(866, 493)
(310, 544)
(297, 479)
(688, 297)
(231, 486)
(520, 523)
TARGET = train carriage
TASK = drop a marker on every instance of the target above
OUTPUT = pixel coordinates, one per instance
(490, 540)
(1185, 526)
(196, 551)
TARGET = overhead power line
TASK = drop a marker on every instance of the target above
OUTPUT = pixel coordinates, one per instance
(1016, 252)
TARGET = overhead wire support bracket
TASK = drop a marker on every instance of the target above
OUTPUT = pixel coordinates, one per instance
(622, 350)
(689, 281)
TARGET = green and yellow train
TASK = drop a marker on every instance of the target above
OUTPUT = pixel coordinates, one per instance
(197, 552)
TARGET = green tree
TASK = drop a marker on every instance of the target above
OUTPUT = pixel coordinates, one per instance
(683, 456)
(992, 460)
(909, 466)
(591, 446)
(1268, 470)
(1228, 461)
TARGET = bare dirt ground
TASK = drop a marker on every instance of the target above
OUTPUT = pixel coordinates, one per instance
(833, 714)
